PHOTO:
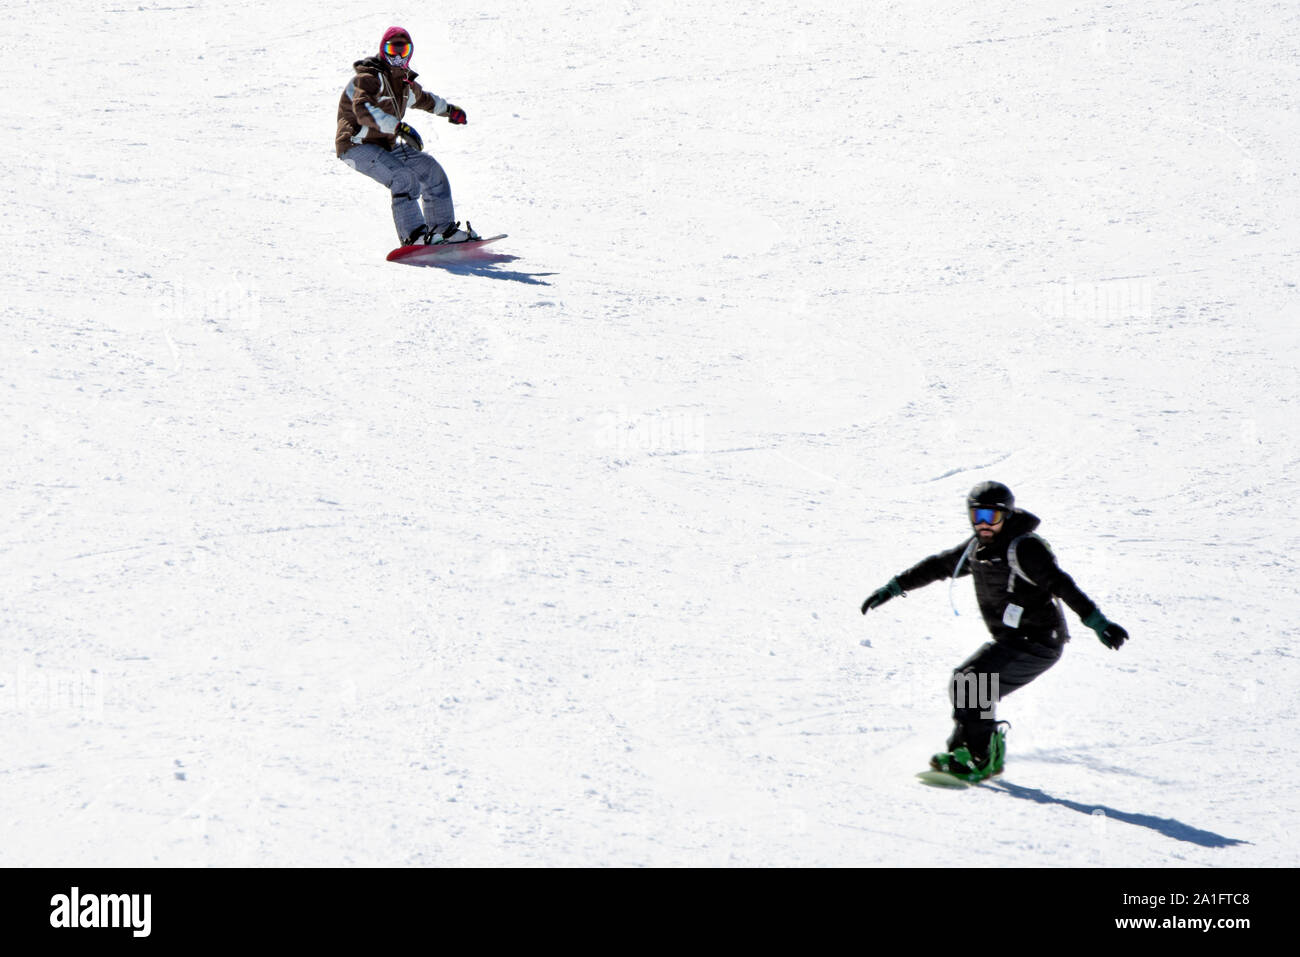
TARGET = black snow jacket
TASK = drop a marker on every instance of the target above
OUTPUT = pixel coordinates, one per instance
(1017, 582)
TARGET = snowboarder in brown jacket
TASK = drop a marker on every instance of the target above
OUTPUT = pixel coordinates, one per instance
(370, 123)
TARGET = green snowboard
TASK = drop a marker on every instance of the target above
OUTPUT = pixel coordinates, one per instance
(942, 779)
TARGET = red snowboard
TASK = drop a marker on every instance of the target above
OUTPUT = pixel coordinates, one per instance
(442, 253)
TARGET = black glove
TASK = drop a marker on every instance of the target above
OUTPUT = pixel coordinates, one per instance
(412, 138)
(882, 595)
(455, 115)
(1111, 634)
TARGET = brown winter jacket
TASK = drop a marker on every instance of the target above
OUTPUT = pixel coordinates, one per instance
(374, 102)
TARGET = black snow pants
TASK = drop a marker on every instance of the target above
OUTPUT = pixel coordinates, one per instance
(985, 678)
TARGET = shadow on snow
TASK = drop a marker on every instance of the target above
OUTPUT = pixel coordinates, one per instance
(486, 265)
(1161, 825)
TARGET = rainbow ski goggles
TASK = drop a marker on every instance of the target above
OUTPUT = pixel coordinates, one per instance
(398, 48)
(987, 516)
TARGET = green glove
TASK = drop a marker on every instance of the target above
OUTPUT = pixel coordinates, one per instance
(1111, 634)
(882, 595)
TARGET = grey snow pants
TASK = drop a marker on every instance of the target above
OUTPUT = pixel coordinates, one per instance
(411, 176)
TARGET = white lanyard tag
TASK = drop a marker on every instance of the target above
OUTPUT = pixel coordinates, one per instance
(1011, 617)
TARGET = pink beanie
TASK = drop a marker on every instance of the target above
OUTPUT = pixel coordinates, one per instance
(389, 34)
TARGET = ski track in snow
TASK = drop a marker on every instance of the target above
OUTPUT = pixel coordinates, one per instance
(311, 559)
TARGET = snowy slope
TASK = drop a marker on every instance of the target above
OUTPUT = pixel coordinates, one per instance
(309, 558)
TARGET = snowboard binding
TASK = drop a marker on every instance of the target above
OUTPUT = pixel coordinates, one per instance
(963, 765)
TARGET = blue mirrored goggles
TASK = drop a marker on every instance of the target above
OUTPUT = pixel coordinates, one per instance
(987, 516)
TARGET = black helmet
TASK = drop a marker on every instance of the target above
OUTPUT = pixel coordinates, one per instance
(991, 495)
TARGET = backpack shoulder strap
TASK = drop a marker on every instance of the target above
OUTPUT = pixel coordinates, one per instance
(1016, 568)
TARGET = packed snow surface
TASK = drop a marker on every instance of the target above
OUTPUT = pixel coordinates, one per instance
(555, 559)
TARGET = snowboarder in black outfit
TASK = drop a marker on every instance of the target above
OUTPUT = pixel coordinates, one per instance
(1020, 589)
